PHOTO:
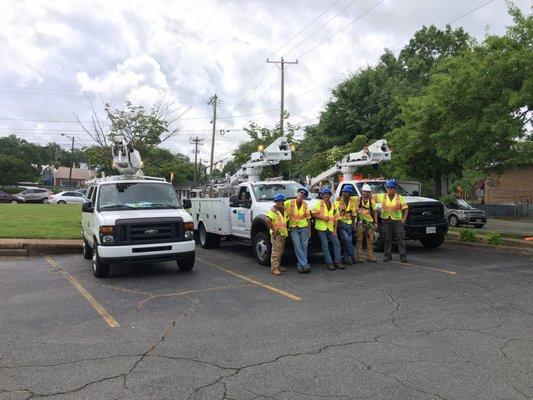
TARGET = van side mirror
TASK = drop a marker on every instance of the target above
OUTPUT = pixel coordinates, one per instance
(234, 201)
(87, 206)
(187, 203)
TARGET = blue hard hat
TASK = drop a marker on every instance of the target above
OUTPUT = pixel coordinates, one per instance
(349, 188)
(391, 183)
(279, 197)
(302, 189)
(327, 190)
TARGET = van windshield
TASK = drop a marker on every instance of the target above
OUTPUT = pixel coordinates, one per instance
(137, 195)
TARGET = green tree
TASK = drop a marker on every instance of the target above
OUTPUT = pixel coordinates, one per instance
(16, 170)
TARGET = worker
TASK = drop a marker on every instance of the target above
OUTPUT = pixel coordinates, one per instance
(326, 219)
(299, 227)
(277, 222)
(394, 212)
(347, 207)
(367, 223)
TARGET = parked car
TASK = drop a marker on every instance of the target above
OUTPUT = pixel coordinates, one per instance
(10, 198)
(459, 212)
(37, 195)
(82, 191)
(66, 197)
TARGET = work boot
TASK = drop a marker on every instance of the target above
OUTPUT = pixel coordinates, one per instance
(348, 261)
(276, 272)
(282, 269)
(300, 269)
(307, 268)
(403, 258)
(371, 258)
(339, 265)
(387, 258)
(331, 267)
(356, 260)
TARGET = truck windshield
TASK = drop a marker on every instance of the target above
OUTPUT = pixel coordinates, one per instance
(137, 195)
(379, 187)
(267, 191)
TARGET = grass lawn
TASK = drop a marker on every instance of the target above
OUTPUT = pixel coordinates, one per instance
(40, 221)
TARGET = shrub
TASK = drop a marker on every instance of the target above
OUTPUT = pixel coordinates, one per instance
(493, 238)
(447, 200)
(11, 189)
(467, 235)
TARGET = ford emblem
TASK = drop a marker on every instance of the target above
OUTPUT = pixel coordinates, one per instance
(426, 213)
(151, 232)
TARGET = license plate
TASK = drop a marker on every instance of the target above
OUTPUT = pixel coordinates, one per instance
(431, 229)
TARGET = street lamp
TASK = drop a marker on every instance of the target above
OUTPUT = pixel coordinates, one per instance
(71, 159)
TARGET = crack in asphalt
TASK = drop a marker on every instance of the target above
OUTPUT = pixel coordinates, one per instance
(394, 301)
(67, 362)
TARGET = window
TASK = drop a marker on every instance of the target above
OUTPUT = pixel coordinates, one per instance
(267, 191)
(136, 195)
(69, 194)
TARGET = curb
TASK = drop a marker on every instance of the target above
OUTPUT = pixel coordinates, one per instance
(43, 246)
(521, 250)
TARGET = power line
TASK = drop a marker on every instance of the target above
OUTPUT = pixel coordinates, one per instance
(469, 12)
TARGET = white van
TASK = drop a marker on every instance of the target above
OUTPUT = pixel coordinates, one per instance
(134, 218)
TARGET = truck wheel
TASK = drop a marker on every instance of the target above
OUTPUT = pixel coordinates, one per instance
(87, 250)
(379, 241)
(262, 247)
(207, 240)
(432, 242)
(453, 220)
(186, 264)
(100, 269)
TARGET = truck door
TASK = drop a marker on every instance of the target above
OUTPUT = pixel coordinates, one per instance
(241, 216)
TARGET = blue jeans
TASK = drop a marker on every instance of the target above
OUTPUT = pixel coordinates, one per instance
(324, 237)
(346, 238)
(300, 239)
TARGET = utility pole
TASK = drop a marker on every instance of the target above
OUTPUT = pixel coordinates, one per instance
(71, 159)
(282, 103)
(213, 102)
(196, 141)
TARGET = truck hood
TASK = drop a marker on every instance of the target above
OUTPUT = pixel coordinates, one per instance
(416, 199)
(110, 217)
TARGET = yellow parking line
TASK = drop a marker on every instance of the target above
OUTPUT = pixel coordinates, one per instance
(444, 271)
(245, 278)
(108, 318)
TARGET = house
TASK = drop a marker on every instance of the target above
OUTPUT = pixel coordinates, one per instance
(48, 172)
(510, 187)
(79, 175)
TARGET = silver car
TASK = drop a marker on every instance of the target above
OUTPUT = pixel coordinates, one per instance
(459, 212)
(66, 197)
(35, 195)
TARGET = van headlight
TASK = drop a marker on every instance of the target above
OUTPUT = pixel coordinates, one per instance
(188, 228)
(107, 233)
(107, 239)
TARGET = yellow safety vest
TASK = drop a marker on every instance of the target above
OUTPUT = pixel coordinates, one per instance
(364, 211)
(322, 210)
(347, 212)
(279, 221)
(298, 217)
(391, 209)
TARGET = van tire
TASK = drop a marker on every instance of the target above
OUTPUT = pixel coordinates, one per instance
(207, 240)
(186, 263)
(87, 250)
(100, 269)
(262, 248)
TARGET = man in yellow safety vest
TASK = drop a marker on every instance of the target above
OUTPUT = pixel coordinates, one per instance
(394, 212)
(326, 219)
(299, 227)
(347, 207)
(367, 217)
(277, 222)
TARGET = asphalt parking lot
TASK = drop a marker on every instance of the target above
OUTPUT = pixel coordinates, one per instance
(454, 323)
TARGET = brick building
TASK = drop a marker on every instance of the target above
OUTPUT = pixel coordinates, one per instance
(79, 175)
(510, 187)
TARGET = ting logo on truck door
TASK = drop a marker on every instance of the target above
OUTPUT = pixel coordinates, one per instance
(241, 216)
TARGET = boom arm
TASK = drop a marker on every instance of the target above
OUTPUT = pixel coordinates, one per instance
(374, 154)
(278, 151)
(126, 159)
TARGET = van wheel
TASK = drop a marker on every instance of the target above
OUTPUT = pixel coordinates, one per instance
(432, 241)
(186, 263)
(262, 247)
(207, 240)
(87, 250)
(100, 269)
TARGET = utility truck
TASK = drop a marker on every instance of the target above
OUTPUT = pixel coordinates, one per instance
(426, 221)
(132, 217)
(242, 216)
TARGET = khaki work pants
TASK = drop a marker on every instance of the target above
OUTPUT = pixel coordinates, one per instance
(278, 245)
(360, 230)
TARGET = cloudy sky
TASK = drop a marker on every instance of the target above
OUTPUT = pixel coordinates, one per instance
(56, 54)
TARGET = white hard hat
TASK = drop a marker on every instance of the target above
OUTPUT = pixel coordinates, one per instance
(366, 188)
